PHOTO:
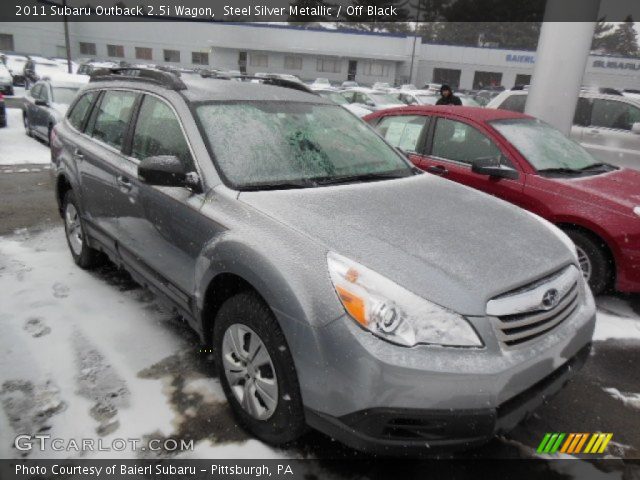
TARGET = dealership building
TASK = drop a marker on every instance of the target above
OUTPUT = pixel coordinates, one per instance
(308, 53)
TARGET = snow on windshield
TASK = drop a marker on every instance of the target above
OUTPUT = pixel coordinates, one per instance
(266, 142)
(542, 145)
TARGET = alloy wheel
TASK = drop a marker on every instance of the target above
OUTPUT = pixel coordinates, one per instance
(73, 228)
(585, 263)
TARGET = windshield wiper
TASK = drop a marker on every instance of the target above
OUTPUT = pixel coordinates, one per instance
(564, 170)
(598, 166)
(287, 185)
(366, 177)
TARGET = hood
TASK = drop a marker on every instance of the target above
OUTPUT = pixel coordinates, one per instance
(446, 242)
(619, 187)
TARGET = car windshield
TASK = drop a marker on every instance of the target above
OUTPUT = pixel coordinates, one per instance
(382, 98)
(262, 145)
(64, 95)
(543, 146)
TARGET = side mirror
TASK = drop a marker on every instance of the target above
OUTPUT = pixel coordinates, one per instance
(41, 103)
(488, 166)
(635, 128)
(166, 171)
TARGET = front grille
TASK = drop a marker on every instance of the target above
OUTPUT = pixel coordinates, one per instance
(530, 318)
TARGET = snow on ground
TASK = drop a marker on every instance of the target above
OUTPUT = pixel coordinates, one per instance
(91, 355)
(14, 149)
(629, 399)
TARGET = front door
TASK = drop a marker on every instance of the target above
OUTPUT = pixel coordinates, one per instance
(454, 147)
(353, 70)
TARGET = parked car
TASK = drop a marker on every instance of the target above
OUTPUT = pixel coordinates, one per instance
(15, 64)
(371, 99)
(335, 96)
(39, 67)
(321, 83)
(339, 286)
(6, 80)
(530, 164)
(47, 102)
(64, 64)
(383, 86)
(349, 84)
(89, 66)
(416, 97)
(608, 126)
(3, 112)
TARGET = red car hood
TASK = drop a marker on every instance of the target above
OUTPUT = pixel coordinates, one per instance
(621, 187)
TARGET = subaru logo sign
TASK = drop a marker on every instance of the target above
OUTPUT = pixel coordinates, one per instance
(550, 299)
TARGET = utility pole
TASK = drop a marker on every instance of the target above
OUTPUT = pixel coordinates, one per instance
(415, 39)
(66, 39)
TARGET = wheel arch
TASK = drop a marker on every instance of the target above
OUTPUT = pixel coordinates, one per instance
(63, 185)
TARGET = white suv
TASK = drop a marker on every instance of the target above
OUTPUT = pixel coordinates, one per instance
(606, 125)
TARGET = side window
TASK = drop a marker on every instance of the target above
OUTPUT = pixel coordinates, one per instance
(402, 131)
(583, 112)
(348, 96)
(112, 117)
(613, 114)
(514, 103)
(158, 132)
(458, 141)
(81, 109)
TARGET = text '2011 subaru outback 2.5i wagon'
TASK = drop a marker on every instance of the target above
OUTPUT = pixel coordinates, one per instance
(340, 287)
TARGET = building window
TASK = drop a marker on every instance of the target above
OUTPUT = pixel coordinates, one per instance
(200, 58)
(376, 69)
(172, 56)
(292, 62)
(523, 79)
(447, 76)
(330, 65)
(6, 42)
(486, 79)
(115, 51)
(87, 48)
(259, 60)
(144, 53)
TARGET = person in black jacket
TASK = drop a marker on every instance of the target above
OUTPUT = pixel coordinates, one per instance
(447, 97)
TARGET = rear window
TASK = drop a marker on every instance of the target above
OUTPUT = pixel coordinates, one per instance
(80, 110)
(514, 103)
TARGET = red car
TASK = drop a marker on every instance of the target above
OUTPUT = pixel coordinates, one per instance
(531, 164)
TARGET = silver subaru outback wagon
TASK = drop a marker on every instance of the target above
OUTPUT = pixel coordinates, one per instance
(341, 288)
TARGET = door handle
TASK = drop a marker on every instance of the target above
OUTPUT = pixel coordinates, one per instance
(78, 154)
(437, 170)
(124, 183)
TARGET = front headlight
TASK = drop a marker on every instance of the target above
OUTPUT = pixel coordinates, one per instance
(394, 313)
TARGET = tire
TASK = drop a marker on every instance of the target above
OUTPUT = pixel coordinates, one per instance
(83, 255)
(248, 316)
(596, 265)
(49, 131)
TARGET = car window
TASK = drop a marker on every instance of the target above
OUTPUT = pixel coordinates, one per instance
(158, 132)
(112, 117)
(81, 109)
(402, 131)
(64, 95)
(614, 114)
(514, 103)
(461, 142)
(348, 96)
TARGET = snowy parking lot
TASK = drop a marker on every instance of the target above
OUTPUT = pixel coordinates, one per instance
(93, 355)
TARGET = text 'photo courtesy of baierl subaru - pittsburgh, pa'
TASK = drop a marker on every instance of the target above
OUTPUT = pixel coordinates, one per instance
(320, 240)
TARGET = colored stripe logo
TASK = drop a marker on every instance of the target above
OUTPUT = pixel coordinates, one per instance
(574, 443)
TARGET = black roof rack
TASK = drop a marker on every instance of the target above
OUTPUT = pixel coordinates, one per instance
(159, 77)
(278, 82)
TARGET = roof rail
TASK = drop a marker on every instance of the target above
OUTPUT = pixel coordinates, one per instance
(278, 82)
(139, 74)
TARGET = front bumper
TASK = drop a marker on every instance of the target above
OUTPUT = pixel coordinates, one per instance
(354, 384)
(404, 431)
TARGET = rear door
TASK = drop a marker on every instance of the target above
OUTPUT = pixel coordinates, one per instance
(453, 145)
(108, 193)
(608, 136)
